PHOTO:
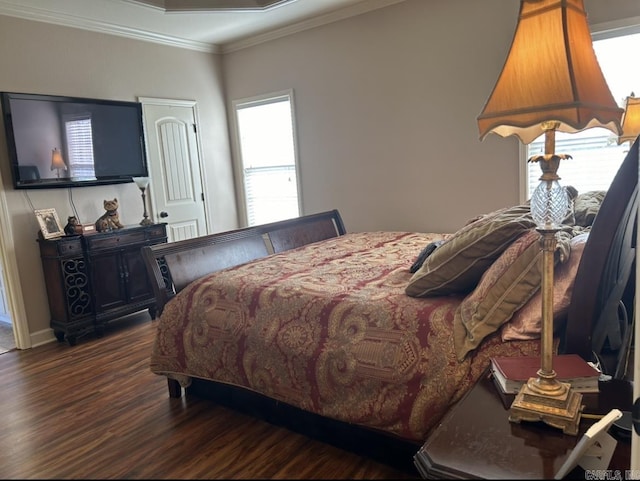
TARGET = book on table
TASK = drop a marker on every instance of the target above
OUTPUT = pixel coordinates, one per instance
(510, 373)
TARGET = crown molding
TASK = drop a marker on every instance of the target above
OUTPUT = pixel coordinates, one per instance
(12, 9)
(42, 15)
(351, 11)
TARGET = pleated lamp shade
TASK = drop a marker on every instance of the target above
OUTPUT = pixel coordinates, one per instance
(56, 160)
(630, 120)
(551, 74)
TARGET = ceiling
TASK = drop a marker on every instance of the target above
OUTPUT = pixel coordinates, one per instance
(216, 26)
(210, 5)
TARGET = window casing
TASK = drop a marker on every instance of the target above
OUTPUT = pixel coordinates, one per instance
(266, 158)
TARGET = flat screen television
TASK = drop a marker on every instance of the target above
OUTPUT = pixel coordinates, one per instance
(56, 141)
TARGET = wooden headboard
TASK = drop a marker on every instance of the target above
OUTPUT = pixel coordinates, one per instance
(174, 265)
(606, 274)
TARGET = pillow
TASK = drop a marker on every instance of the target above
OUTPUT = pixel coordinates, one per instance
(526, 322)
(587, 205)
(505, 287)
(458, 263)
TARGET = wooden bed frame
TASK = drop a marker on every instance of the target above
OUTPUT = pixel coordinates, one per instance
(603, 279)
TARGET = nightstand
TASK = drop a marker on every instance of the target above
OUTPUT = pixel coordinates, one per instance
(475, 439)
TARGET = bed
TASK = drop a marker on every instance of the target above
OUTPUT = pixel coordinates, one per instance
(329, 333)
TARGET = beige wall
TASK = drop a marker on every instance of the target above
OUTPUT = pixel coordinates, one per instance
(41, 58)
(386, 105)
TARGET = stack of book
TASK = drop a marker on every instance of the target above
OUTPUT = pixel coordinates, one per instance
(510, 373)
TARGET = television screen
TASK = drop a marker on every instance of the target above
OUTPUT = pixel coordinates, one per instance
(70, 142)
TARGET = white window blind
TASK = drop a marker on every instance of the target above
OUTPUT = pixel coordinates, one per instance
(265, 135)
(271, 193)
(80, 147)
(595, 159)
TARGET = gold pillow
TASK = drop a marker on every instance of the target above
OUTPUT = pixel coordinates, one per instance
(503, 289)
(526, 322)
(506, 286)
(458, 263)
(587, 205)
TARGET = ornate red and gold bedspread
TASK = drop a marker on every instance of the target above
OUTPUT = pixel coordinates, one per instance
(328, 328)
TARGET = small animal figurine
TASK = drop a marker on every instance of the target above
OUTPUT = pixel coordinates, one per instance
(73, 226)
(110, 219)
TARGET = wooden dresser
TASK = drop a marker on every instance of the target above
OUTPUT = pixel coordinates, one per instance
(96, 278)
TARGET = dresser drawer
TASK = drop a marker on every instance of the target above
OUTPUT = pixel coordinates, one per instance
(115, 240)
(157, 232)
(70, 247)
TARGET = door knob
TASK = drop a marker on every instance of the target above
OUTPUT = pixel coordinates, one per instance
(164, 214)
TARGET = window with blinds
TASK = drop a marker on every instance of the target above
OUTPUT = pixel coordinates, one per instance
(80, 147)
(595, 159)
(267, 154)
(596, 155)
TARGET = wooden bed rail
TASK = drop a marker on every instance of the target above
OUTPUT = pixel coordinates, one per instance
(174, 265)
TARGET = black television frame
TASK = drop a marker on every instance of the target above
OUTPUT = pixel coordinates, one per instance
(19, 182)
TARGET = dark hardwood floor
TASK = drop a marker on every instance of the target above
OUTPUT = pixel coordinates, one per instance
(95, 411)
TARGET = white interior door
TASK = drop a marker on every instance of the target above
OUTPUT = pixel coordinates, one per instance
(175, 188)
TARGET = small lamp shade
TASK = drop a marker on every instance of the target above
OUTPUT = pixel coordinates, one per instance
(57, 162)
(141, 182)
(630, 120)
(551, 74)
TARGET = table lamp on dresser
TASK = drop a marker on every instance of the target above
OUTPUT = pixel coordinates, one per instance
(143, 183)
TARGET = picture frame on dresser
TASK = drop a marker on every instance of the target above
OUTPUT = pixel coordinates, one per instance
(49, 222)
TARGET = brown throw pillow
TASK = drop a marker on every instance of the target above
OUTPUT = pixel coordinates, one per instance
(458, 263)
(587, 205)
(504, 288)
(526, 322)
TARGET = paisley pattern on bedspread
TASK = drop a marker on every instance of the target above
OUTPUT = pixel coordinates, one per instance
(328, 328)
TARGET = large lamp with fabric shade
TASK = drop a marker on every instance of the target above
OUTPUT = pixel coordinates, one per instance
(551, 81)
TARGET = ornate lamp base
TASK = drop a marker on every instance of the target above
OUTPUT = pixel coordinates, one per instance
(145, 220)
(560, 409)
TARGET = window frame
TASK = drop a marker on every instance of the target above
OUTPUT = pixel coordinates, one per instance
(238, 164)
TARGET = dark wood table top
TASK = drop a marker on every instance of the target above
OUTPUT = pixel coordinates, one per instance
(475, 439)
